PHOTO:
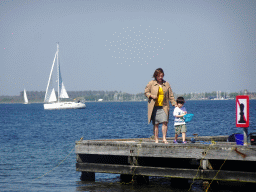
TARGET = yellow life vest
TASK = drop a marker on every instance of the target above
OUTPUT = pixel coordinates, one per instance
(160, 97)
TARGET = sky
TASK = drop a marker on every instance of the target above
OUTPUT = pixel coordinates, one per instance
(116, 45)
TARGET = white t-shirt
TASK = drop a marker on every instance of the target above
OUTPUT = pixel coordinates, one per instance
(179, 111)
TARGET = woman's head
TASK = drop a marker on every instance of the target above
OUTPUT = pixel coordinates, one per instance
(158, 72)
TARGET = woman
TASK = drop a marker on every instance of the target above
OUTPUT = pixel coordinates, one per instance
(159, 92)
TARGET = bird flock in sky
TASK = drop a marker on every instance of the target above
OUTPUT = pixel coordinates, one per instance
(137, 45)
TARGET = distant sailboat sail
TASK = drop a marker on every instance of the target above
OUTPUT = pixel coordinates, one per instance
(25, 97)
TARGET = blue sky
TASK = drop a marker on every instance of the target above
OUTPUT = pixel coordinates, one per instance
(202, 45)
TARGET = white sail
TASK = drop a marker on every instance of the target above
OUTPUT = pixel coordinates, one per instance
(52, 96)
(47, 94)
(25, 97)
(63, 92)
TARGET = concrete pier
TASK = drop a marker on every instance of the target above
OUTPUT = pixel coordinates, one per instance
(209, 158)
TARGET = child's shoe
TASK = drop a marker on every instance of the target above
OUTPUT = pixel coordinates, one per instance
(175, 141)
(184, 142)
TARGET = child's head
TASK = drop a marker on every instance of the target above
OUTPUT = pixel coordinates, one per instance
(180, 101)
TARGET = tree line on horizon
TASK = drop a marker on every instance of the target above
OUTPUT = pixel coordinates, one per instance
(38, 96)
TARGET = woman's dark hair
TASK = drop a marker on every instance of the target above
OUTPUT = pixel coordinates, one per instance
(157, 72)
(180, 100)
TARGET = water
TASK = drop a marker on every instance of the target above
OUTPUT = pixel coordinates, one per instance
(37, 146)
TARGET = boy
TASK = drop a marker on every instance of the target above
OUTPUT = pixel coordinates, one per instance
(179, 123)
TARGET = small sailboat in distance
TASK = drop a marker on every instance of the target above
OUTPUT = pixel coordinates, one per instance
(25, 97)
(53, 102)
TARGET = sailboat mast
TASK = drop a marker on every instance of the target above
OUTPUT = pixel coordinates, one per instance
(58, 71)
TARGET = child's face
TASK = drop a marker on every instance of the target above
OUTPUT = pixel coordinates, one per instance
(180, 105)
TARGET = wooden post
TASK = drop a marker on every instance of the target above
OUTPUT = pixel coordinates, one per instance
(87, 176)
(205, 164)
(125, 178)
(245, 136)
(141, 179)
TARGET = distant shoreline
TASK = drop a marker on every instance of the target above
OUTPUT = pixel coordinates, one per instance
(123, 101)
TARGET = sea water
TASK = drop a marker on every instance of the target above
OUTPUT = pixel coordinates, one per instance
(37, 145)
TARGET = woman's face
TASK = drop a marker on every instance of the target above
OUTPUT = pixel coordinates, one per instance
(160, 77)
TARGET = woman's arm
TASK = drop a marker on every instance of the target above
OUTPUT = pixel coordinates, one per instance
(147, 91)
(171, 97)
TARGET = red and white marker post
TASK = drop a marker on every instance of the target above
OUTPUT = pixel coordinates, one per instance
(242, 114)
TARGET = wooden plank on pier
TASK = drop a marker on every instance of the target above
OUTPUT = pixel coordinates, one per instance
(222, 175)
(148, 148)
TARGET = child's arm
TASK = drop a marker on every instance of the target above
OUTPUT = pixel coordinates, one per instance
(180, 115)
(176, 113)
(184, 110)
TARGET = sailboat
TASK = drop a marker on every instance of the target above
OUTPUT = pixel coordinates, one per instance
(53, 102)
(25, 97)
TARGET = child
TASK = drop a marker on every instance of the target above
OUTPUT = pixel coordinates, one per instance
(179, 123)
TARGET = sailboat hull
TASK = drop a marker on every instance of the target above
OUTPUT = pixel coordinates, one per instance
(64, 105)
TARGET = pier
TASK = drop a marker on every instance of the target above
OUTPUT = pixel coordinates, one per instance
(207, 158)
